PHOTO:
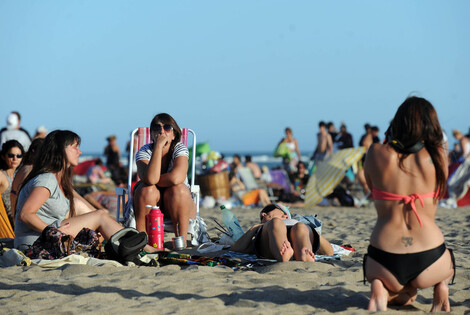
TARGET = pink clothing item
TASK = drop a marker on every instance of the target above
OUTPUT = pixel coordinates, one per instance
(384, 195)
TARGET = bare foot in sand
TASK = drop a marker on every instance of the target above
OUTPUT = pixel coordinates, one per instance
(405, 297)
(378, 297)
(306, 254)
(440, 302)
(286, 251)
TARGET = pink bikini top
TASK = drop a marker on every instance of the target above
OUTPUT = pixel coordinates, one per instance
(384, 195)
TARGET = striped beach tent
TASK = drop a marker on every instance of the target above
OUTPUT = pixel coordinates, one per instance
(329, 173)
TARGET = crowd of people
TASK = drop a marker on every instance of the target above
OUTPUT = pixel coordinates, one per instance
(38, 194)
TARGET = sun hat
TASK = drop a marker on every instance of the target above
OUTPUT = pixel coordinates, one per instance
(273, 206)
(12, 121)
(41, 129)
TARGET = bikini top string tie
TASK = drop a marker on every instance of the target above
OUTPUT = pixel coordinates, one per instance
(411, 200)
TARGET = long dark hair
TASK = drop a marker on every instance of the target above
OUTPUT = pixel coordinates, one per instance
(7, 146)
(165, 118)
(52, 158)
(32, 152)
(416, 122)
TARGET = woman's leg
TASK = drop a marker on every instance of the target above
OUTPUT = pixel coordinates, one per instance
(144, 195)
(385, 287)
(438, 275)
(302, 240)
(274, 243)
(178, 203)
(98, 220)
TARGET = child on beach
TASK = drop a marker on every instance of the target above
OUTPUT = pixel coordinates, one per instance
(280, 237)
(407, 176)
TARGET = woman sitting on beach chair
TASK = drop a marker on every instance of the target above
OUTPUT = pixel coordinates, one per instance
(162, 166)
(46, 196)
(280, 237)
(407, 176)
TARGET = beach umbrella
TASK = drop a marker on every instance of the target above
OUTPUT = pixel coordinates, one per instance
(329, 173)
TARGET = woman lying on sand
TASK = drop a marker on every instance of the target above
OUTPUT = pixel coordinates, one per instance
(407, 175)
(46, 196)
(280, 237)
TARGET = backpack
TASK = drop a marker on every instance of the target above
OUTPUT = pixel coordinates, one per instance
(125, 246)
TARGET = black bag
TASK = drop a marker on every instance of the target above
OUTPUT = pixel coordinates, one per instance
(125, 246)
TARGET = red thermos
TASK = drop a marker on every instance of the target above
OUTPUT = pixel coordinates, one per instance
(155, 231)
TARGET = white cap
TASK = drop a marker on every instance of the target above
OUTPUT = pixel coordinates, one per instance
(12, 121)
(42, 129)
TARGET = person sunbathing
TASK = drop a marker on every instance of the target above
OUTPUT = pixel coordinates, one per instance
(280, 237)
(407, 176)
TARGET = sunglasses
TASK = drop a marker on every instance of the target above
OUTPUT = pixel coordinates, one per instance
(166, 127)
(18, 156)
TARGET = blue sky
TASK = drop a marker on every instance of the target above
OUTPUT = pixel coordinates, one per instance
(237, 72)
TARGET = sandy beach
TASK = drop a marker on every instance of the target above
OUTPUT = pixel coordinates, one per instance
(292, 287)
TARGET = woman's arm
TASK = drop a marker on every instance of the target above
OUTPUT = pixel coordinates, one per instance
(177, 174)
(35, 200)
(297, 149)
(150, 171)
(243, 244)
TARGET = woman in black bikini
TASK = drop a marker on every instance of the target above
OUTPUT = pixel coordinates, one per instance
(407, 175)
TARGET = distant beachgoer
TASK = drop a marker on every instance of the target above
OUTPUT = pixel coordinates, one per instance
(255, 169)
(375, 134)
(247, 197)
(456, 154)
(324, 144)
(331, 129)
(344, 138)
(280, 237)
(299, 181)
(45, 197)
(236, 163)
(291, 159)
(407, 176)
(113, 155)
(11, 156)
(366, 135)
(464, 143)
(14, 131)
(96, 175)
(41, 132)
(162, 167)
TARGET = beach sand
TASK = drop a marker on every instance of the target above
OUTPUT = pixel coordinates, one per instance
(292, 287)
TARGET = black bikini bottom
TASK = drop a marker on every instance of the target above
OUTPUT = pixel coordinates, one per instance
(406, 267)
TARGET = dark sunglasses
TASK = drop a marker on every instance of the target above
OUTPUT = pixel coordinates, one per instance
(166, 127)
(18, 156)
